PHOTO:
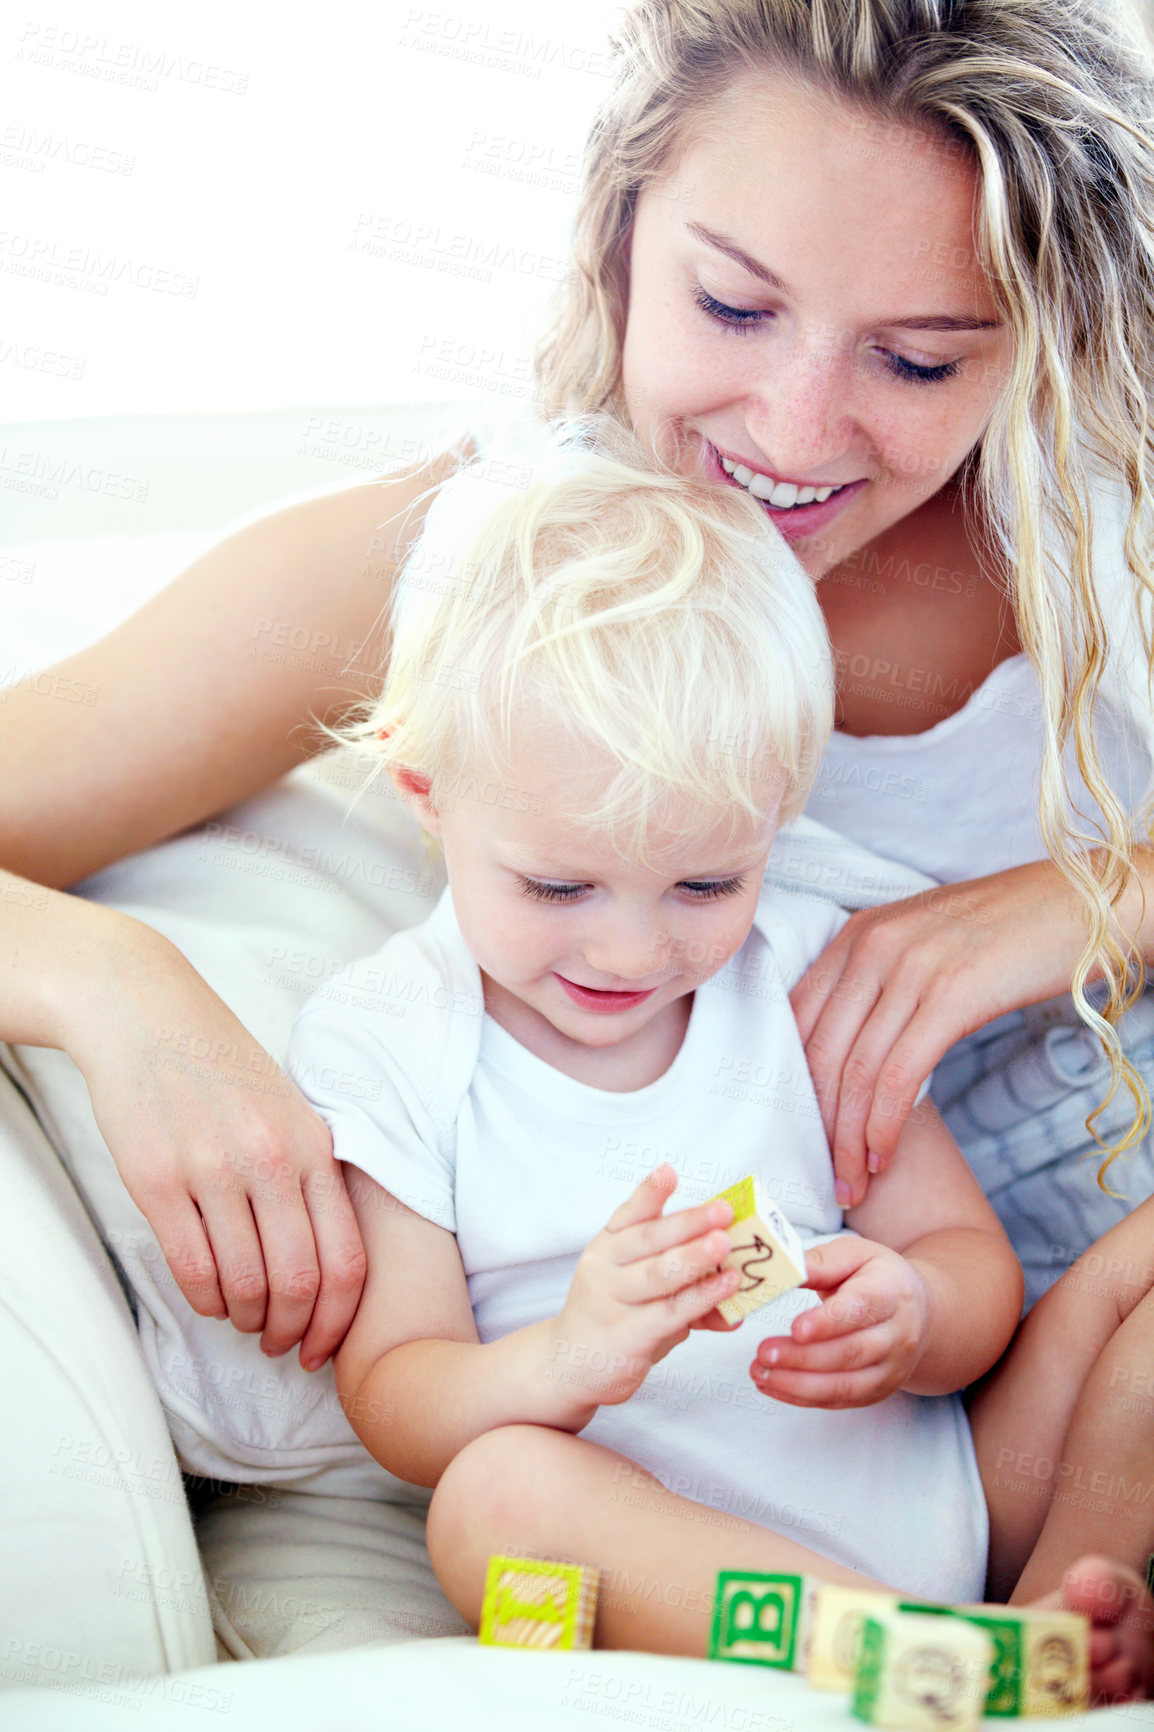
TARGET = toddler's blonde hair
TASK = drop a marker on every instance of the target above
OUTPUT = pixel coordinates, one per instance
(657, 620)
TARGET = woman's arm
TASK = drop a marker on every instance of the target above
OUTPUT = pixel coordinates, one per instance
(899, 985)
(234, 1171)
(189, 715)
(238, 1183)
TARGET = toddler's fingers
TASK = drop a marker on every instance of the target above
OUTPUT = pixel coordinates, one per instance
(674, 1270)
(647, 1201)
(649, 1238)
(855, 1352)
(714, 1320)
(853, 1307)
(829, 1265)
(690, 1306)
(830, 1389)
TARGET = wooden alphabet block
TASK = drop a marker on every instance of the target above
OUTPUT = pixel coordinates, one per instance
(1041, 1660)
(927, 1674)
(835, 1633)
(1055, 1661)
(533, 1604)
(760, 1620)
(767, 1251)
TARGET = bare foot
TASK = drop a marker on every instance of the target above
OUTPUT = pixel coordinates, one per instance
(1121, 1613)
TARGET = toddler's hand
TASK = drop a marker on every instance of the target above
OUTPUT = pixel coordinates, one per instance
(862, 1343)
(640, 1287)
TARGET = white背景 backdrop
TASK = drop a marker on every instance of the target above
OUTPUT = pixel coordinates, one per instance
(241, 206)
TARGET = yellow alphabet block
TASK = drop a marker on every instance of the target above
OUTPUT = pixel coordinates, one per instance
(836, 1632)
(533, 1604)
(1056, 1669)
(767, 1252)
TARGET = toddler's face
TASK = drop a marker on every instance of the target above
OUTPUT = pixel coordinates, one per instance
(595, 945)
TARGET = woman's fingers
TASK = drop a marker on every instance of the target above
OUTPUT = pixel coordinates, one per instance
(832, 1036)
(812, 992)
(180, 1233)
(291, 1263)
(875, 1095)
(232, 1234)
(343, 1266)
(921, 1044)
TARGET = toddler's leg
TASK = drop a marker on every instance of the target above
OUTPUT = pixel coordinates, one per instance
(1063, 1427)
(524, 1489)
(1063, 1430)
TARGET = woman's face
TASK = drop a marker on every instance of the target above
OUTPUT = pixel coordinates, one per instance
(807, 313)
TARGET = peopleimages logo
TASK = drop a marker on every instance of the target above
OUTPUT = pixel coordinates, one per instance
(136, 64)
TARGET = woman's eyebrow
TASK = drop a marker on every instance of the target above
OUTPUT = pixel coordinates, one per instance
(738, 255)
(927, 322)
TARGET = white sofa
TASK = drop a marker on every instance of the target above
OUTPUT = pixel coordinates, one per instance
(111, 1602)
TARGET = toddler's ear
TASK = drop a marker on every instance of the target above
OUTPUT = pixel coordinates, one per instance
(415, 791)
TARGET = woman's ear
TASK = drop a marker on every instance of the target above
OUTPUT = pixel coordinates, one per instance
(416, 791)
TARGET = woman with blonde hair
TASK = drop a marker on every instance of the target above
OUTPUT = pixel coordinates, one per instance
(886, 265)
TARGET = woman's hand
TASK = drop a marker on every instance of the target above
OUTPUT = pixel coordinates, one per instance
(862, 1343)
(219, 1150)
(644, 1282)
(900, 984)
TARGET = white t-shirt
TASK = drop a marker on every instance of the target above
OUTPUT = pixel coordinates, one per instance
(961, 799)
(526, 1166)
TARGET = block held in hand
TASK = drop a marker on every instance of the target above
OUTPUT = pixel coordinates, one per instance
(767, 1252)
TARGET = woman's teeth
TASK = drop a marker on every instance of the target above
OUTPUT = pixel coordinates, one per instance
(780, 494)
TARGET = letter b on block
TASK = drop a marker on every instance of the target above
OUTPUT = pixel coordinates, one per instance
(757, 1619)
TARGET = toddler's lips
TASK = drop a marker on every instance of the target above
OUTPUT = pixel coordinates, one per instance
(592, 998)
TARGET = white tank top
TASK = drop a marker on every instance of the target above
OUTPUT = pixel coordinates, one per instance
(961, 799)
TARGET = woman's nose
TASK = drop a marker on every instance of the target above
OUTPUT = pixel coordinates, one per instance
(798, 411)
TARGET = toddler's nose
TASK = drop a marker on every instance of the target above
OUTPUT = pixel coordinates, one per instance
(632, 954)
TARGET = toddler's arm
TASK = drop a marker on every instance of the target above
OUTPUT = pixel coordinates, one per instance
(925, 1301)
(418, 1385)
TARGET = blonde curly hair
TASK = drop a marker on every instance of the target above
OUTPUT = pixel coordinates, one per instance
(1054, 105)
(619, 603)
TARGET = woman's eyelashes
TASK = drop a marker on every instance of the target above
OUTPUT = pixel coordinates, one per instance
(732, 318)
(699, 889)
(903, 369)
(740, 319)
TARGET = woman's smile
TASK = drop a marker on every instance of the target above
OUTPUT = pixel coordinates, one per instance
(786, 334)
(796, 508)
